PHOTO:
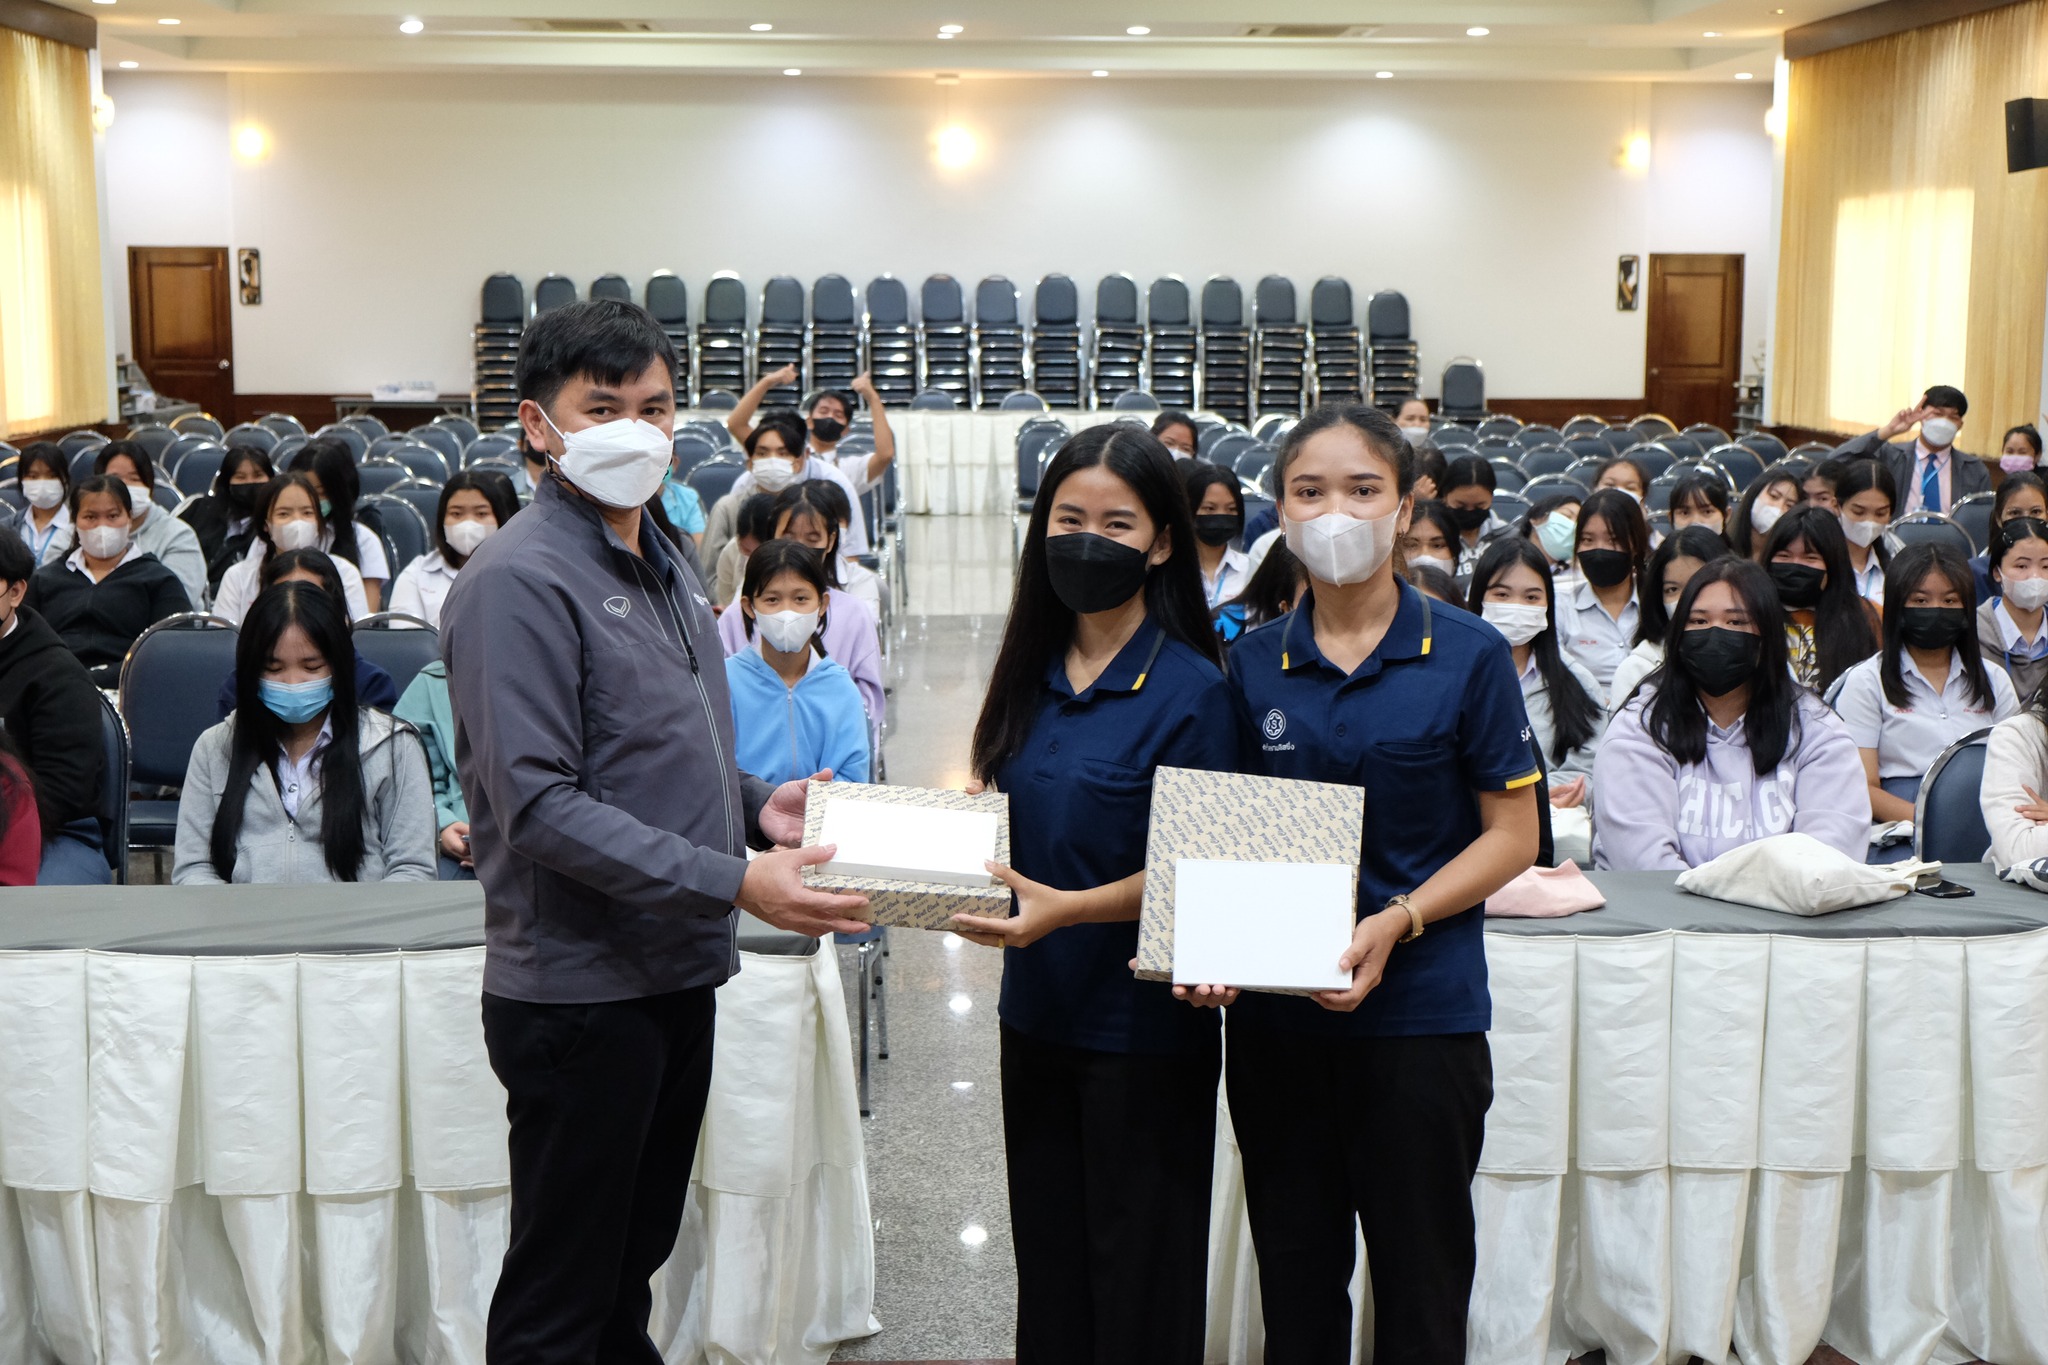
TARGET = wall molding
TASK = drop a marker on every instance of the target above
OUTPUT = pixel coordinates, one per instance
(1881, 20)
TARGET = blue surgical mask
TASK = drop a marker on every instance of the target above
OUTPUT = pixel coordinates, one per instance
(296, 703)
(326, 509)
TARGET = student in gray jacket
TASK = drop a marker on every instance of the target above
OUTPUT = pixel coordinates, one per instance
(609, 827)
(299, 784)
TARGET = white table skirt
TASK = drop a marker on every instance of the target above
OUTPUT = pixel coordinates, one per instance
(270, 1160)
(1730, 1145)
(965, 463)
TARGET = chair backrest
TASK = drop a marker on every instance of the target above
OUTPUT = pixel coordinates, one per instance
(423, 462)
(401, 645)
(1021, 400)
(832, 302)
(504, 301)
(1166, 303)
(888, 302)
(611, 287)
(940, 302)
(288, 446)
(1652, 457)
(1651, 426)
(1585, 471)
(1116, 301)
(423, 498)
(714, 432)
(1509, 505)
(461, 428)
(283, 423)
(1329, 304)
(1707, 434)
(1035, 444)
(1768, 447)
(1222, 302)
(1273, 303)
(1549, 486)
(1744, 465)
(379, 474)
(725, 301)
(1936, 529)
(717, 400)
(196, 467)
(782, 302)
(74, 441)
(552, 292)
(1386, 316)
(370, 426)
(1507, 476)
(157, 439)
(410, 533)
(995, 302)
(357, 442)
(691, 450)
(1134, 400)
(1464, 387)
(713, 479)
(1587, 448)
(667, 299)
(247, 434)
(1057, 303)
(197, 424)
(1948, 817)
(1500, 428)
(1538, 434)
(1973, 514)
(489, 447)
(169, 685)
(934, 398)
(1451, 437)
(111, 810)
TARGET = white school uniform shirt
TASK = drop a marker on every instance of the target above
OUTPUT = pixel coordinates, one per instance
(422, 587)
(1870, 581)
(854, 467)
(240, 584)
(855, 539)
(2018, 646)
(369, 547)
(1543, 720)
(1909, 738)
(75, 561)
(1595, 639)
(296, 776)
(47, 545)
(1231, 576)
(858, 580)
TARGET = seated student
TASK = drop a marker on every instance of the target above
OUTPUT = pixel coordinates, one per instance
(50, 710)
(1830, 626)
(426, 708)
(225, 519)
(2021, 450)
(107, 590)
(825, 531)
(1269, 594)
(288, 517)
(346, 533)
(1468, 495)
(2015, 775)
(1776, 491)
(1699, 499)
(1431, 467)
(1819, 483)
(1176, 431)
(1432, 539)
(1430, 581)
(2012, 629)
(1672, 565)
(827, 414)
(1553, 523)
(681, 505)
(1218, 500)
(299, 784)
(774, 451)
(1926, 688)
(1719, 747)
(756, 524)
(154, 531)
(1864, 499)
(21, 827)
(1931, 474)
(473, 504)
(804, 467)
(2023, 496)
(1625, 474)
(1512, 590)
(374, 686)
(1597, 622)
(45, 524)
(1412, 416)
(795, 711)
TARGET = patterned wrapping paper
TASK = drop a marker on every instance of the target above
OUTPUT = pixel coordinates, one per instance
(904, 904)
(1237, 817)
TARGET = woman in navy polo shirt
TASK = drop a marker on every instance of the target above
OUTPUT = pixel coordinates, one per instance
(1107, 670)
(1371, 1103)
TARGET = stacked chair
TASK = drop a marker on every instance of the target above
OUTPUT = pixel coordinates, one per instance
(779, 339)
(1118, 363)
(998, 341)
(1170, 370)
(1056, 372)
(1334, 339)
(721, 352)
(552, 292)
(1226, 350)
(611, 287)
(1391, 349)
(668, 301)
(892, 341)
(1464, 390)
(835, 334)
(502, 317)
(1279, 347)
(947, 364)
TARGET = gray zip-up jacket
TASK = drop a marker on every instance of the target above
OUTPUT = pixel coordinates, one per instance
(398, 819)
(593, 738)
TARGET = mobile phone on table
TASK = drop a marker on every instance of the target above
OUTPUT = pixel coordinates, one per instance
(1946, 891)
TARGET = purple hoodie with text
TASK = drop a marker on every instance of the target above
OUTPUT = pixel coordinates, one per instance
(1651, 811)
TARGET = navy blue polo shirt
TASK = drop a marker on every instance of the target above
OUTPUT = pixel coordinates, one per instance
(1431, 717)
(1080, 800)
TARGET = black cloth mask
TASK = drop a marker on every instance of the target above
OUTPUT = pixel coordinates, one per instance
(1798, 585)
(1934, 627)
(1468, 518)
(1218, 528)
(1604, 568)
(1718, 660)
(827, 429)
(1092, 573)
(242, 497)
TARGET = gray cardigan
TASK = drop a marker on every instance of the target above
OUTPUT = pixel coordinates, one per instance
(398, 842)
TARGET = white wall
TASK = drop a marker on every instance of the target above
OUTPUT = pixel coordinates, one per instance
(1499, 209)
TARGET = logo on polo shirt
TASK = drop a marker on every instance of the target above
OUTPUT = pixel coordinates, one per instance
(618, 606)
(1275, 724)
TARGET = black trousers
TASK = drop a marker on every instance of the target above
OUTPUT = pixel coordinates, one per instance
(605, 1102)
(1110, 1158)
(1383, 1130)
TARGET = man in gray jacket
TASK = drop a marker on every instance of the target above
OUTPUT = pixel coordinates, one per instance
(1931, 474)
(609, 825)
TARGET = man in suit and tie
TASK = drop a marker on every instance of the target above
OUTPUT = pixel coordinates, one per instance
(1931, 474)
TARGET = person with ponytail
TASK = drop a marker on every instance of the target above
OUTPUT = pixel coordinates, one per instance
(299, 784)
(1830, 625)
(1775, 492)
(288, 516)
(795, 711)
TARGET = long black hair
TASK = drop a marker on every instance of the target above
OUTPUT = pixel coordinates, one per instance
(1041, 626)
(330, 461)
(1274, 587)
(260, 523)
(2014, 484)
(497, 491)
(1574, 714)
(1870, 476)
(811, 499)
(2005, 535)
(1198, 476)
(50, 456)
(1914, 563)
(1700, 491)
(145, 468)
(1742, 536)
(238, 458)
(257, 734)
(1690, 542)
(1381, 437)
(1439, 516)
(310, 560)
(1676, 717)
(774, 557)
(1842, 636)
(1626, 525)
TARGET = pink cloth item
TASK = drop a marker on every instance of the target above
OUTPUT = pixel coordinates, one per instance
(1546, 893)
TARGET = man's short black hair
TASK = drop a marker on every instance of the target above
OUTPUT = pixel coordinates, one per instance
(609, 340)
(1945, 396)
(847, 403)
(16, 563)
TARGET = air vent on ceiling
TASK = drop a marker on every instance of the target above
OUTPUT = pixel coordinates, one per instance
(591, 25)
(1311, 30)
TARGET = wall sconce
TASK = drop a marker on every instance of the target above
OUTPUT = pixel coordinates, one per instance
(251, 142)
(1635, 153)
(956, 147)
(102, 113)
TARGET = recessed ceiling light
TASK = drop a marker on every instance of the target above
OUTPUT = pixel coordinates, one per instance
(1477, 31)
(973, 1235)
(1137, 30)
(1383, 75)
(170, 22)
(128, 66)
(960, 1004)
(762, 28)
(950, 29)
(1710, 34)
(1743, 76)
(792, 71)
(1098, 73)
(412, 26)
(945, 35)
(103, 2)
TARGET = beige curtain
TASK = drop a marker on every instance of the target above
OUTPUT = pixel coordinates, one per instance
(53, 358)
(1910, 257)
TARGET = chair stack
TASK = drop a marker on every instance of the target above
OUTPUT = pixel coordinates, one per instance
(552, 292)
(1056, 372)
(892, 341)
(998, 341)
(495, 389)
(779, 339)
(1334, 339)
(668, 302)
(611, 287)
(1226, 350)
(721, 351)
(1464, 390)
(1118, 362)
(942, 310)
(1279, 346)
(835, 334)
(1390, 347)
(1170, 371)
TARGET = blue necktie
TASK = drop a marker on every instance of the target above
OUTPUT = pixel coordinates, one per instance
(1930, 488)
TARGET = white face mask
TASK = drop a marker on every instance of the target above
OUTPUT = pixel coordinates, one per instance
(1416, 561)
(42, 494)
(788, 631)
(1763, 516)
(2028, 594)
(621, 464)
(139, 500)
(104, 542)
(1863, 533)
(294, 535)
(773, 473)
(1341, 549)
(465, 536)
(1415, 435)
(1521, 622)
(1939, 432)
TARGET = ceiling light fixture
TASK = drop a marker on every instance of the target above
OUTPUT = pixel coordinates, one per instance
(1477, 31)
(762, 28)
(412, 26)
(945, 35)
(1710, 34)
(170, 23)
(1774, 121)
(102, 112)
(103, 2)
(950, 29)
(1635, 153)
(250, 142)
(1744, 76)
(1098, 73)
(1383, 75)
(792, 71)
(957, 148)
(130, 66)
(1137, 30)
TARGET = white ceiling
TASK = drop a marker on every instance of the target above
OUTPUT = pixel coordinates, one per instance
(1529, 39)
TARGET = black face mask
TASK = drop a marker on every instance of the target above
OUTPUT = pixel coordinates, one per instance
(242, 497)
(1469, 518)
(1218, 528)
(1604, 568)
(1798, 585)
(827, 428)
(1933, 627)
(1718, 660)
(1093, 573)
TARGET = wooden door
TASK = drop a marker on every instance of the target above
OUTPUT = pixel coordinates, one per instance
(1694, 351)
(182, 324)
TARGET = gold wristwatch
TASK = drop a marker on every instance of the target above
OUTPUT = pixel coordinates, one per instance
(1403, 902)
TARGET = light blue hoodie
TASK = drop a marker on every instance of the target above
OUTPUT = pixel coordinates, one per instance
(783, 733)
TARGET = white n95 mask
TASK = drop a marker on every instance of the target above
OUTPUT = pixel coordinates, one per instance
(465, 536)
(1938, 432)
(788, 631)
(1521, 622)
(140, 499)
(1341, 549)
(104, 542)
(295, 535)
(2028, 594)
(620, 463)
(42, 494)
(773, 473)
(1862, 533)
(1763, 516)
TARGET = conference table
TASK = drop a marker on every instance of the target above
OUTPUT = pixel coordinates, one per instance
(256, 1124)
